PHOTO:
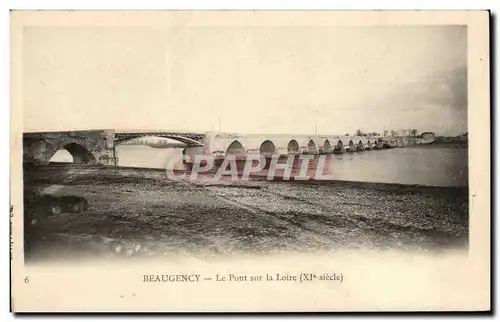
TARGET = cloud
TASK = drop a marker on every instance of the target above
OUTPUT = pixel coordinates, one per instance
(437, 102)
(447, 88)
(458, 87)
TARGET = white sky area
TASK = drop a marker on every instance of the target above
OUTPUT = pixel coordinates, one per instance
(246, 80)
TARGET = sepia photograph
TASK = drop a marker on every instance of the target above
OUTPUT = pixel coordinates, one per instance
(210, 137)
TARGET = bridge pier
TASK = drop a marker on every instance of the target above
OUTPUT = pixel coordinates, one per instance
(190, 153)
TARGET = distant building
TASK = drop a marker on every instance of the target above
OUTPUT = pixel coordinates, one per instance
(428, 135)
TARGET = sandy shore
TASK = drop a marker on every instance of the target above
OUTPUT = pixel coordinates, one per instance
(139, 212)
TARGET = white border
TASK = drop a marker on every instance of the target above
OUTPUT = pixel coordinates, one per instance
(190, 5)
(250, 5)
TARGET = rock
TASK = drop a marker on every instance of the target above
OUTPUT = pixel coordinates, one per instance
(137, 248)
(129, 252)
(118, 249)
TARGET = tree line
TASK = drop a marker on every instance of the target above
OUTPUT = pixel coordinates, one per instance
(386, 133)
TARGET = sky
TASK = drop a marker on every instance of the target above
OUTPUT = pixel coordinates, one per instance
(332, 80)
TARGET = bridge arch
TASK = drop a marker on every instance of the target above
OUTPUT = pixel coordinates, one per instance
(151, 140)
(267, 148)
(186, 140)
(236, 148)
(350, 146)
(80, 154)
(360, 146)
(339, 146)
(327, 147)
(293, 146)
(311, 147)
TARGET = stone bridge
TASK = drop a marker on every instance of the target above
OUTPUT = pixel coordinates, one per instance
(98, 146)
(90, 147)
(220, 144)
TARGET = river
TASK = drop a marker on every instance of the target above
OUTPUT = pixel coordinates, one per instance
(431, 165)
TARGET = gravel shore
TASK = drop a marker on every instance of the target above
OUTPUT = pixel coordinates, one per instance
(139, 212)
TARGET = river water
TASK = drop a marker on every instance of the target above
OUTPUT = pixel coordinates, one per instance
(432, 165)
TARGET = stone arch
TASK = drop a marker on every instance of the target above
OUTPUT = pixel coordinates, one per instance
(267, 148)
(350, 146)
(293, 146)
(311, 147)
(339, 146)
(360, 146)
(80, 154)
(236, 148)
(327, 147)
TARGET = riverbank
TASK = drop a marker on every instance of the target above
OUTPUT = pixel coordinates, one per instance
(139, 212)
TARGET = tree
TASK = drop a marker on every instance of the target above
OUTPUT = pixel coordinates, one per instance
(358, 132)
(414, 132)
(393, 133)
(386, 133)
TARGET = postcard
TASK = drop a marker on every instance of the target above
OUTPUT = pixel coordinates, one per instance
(250, 161)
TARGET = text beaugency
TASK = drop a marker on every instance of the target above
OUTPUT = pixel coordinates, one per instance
(171, 278)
